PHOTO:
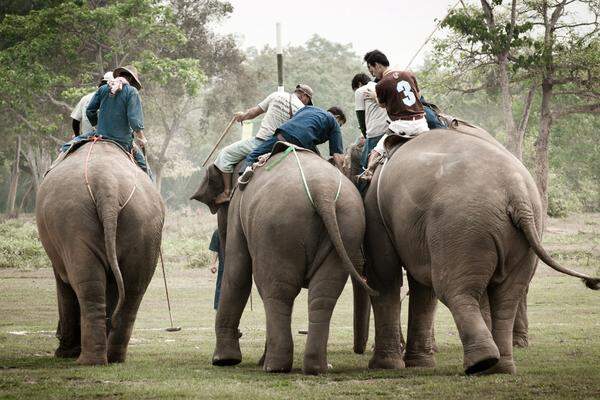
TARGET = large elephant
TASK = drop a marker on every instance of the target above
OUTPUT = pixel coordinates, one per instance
(288, 236)
(464, 217)
(100, 220)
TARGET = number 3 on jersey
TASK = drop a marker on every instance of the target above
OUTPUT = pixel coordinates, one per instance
(404, 87)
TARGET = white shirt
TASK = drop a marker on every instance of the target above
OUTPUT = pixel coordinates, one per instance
(79, 113)
(376, 119)
(277, 110)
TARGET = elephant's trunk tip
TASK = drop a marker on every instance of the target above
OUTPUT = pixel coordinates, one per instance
(592, 283)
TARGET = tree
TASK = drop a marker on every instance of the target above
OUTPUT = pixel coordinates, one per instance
(568, 65)
(537, 45)
(493, 35)
(52, 56)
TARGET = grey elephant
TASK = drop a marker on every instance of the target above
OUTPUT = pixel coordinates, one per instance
(288, 236)
(100, 220)
(463, 216)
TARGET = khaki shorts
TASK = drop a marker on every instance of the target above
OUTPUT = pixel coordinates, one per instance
(234, 153)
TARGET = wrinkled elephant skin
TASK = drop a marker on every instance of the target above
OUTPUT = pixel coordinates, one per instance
(277, 236)
(103, 254)
(464, 218)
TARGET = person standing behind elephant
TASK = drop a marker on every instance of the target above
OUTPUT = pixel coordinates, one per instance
(278, 108)
(372, 119)
(80, 122)
(217, 264)
(310, 127)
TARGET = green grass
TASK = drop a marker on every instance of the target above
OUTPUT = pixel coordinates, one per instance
(561, 362)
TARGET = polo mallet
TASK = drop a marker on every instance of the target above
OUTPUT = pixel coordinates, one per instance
(162, 264)
(218, 142)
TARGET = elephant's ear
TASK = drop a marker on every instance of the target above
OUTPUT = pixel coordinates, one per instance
(210, 186)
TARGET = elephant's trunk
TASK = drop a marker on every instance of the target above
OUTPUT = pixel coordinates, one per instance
(362, 313)
(327, 212)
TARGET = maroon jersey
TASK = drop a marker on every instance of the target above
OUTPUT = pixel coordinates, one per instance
(399, 93)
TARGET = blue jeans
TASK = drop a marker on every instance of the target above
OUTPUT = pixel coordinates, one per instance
(218, 285)
(265, 147)
(370, 144)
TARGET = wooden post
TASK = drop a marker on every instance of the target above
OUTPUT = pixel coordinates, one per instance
(279, 59)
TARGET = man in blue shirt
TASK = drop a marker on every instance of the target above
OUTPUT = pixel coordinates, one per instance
(116, 109)
(309, 127)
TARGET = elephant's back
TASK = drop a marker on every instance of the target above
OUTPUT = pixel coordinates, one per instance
(449, 163)
(449, 183)
(279, 205)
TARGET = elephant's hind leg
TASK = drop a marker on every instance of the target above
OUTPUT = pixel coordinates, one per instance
(461, 291)
(324, 290)
(421, 311)
(122, 327)
(237, 283)
(504, 301)
(279, 353)
(69, 331)
(91, 294)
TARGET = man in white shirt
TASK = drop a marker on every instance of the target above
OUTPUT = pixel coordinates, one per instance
(372, 119)
(278, 107)
(80, 123)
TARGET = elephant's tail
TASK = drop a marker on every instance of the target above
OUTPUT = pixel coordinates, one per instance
(329, 217)
(109, 213)
(522, 217)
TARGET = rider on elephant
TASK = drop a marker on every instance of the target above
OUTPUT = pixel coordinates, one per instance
(372, 119)
(116, 109)
(278, 107)
(399, 93)
(309, 127)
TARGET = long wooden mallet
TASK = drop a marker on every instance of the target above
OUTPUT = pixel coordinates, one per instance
(162, 264)
(218, 142)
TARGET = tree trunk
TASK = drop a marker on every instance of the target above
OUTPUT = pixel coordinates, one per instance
(25, 197)
(541, 144)
(514, 138)
(14, 182)
(38, 159)
(158, 177)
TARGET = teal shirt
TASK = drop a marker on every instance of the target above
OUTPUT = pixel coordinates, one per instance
(119, 115)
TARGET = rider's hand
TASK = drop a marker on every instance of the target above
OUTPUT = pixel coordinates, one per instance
(239, 116)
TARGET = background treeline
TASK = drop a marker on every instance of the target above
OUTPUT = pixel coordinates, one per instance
(500, 65)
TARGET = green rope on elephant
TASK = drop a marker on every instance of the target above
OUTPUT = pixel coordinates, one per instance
(280, 159)
(292, 149)
(303, 177)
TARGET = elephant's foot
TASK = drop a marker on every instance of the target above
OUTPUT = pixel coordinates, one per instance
(359, 348)
(314, 365)
(419, 360)
(227, 353)
(503, 366)
(117, 354)
(92, 360)
(521, 341)
(277, 362)
(480, 356)
(261, 362)
(386, 361)
(67, 352)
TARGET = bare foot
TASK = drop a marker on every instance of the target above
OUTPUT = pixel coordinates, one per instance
(222, 198)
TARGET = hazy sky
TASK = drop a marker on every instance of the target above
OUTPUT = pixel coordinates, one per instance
(396, 27)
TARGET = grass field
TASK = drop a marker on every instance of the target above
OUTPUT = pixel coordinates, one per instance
(563, 360)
